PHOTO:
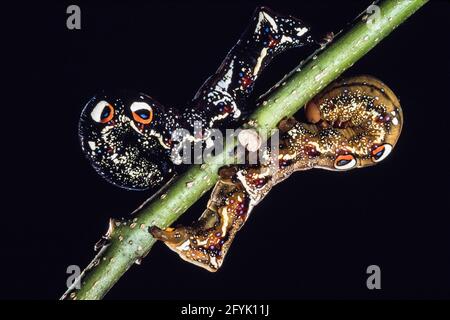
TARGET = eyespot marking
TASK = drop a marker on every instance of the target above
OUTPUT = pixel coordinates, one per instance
(103, 112)
(345, 162)
(141, 112)
(380, 153)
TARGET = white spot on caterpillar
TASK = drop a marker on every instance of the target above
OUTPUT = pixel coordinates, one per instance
(301, 31)
(261, 17)
(285, 39)
(259, 61)
(213, 261)
(202, 243)
(92, 145)
(226, 81)
(394, 119)
(184, 246)
(225, 221)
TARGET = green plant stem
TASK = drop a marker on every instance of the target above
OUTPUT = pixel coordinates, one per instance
(129, 241)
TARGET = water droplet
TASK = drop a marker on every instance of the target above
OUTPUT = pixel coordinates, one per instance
(189, 184)
(252, 123)
(163, 196)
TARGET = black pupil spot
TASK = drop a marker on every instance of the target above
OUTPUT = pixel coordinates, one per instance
(144, 114)
(379, 154)
(105, 113)
(343, 162)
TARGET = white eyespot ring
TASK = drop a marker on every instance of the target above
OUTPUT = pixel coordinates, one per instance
(138, 105)
(344, 162)
(380, 153)
(102, 112)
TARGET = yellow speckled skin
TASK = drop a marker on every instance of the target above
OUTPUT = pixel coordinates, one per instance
(353, 123)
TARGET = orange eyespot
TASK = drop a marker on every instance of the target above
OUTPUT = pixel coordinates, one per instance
(345, 162)
(103, 112)
(381, 152)
(141, 112)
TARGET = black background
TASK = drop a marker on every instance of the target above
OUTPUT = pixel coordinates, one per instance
(314, 235)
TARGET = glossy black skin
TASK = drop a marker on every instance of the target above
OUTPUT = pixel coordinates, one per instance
(144, 153)
(221, 102)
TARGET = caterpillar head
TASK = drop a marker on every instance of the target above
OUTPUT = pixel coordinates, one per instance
(126, 138)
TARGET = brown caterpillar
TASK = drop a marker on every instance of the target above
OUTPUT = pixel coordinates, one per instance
(354, 123)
